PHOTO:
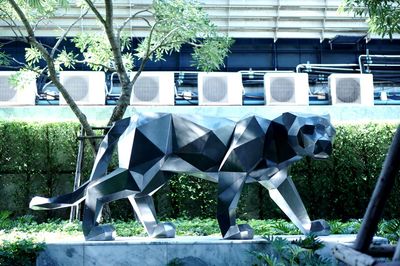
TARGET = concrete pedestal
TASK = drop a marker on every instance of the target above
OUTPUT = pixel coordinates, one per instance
(199, 251)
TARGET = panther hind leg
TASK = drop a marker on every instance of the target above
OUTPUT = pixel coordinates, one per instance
(116, 185)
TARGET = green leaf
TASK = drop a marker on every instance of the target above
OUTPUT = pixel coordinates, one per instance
(184, 21)
(32, 55)
(383, 16)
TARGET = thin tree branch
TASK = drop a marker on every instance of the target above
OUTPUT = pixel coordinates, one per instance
(96, 11)
(131, 18)
(145, 20)
(150, 52)
(12, 25)
(162, 42)
(53, 51)
(12, 67)
(146, 57)
(37, 23)
(18, 62)
(11, 40)
(96, 64)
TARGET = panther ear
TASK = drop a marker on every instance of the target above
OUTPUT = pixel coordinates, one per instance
(288, 118)
(327, 116)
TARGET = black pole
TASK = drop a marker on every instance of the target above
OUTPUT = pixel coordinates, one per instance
(380, 195)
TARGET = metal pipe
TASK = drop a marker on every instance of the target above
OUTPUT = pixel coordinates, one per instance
(331, 66)
(382, 65)
(373, 56)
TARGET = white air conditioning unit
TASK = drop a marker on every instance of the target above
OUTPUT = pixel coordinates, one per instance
(85, 87)
(220, 88)
(351, 89)
(286, 88)
(153, 88)
(13, 96)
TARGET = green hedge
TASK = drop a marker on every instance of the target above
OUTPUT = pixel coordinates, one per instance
(39, 159)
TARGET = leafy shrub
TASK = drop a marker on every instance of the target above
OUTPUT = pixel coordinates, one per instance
(20, 252)
(5, 219)
(39, 159)
(310, 242)
(390, 229)
(129, 228)
(281, 252)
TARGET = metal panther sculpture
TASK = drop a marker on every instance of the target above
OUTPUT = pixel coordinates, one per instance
(154, 147)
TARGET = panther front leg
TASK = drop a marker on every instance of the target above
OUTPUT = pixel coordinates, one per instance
(144, 208)
(284, 193)
(230, 185)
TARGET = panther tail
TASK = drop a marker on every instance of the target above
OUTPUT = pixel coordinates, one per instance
(63, 201)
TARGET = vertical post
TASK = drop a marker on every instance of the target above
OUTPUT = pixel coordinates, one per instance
(396, 256)
(75, 210)
(380, 195)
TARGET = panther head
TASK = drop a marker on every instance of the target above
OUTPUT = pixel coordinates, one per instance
(310, 135)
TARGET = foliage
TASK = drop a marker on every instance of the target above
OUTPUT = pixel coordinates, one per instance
(5, 59)
(185, 192)
(384, 16)
(39, 159)
(96, 51)
(351, 226)
(310, 242)
(29, 225)
(38, 10)
(20, 252)
(196, 227)
(129, 228)
(4, 218)
(340, 187)
(184, 21)
(282, 252)
(390, 229)
(176, 22)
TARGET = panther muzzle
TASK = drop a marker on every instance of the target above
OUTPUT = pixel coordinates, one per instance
(323, 148)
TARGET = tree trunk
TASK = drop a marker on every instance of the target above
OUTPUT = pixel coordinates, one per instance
(31, 39)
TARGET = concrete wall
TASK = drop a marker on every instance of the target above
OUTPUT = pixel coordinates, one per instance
(101, 114)
(239, 18)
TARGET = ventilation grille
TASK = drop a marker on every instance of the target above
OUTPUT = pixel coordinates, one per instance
(348, 90)
(215, 89)
(147, 89)
(7, 93)
(77, 87)
(282, 90)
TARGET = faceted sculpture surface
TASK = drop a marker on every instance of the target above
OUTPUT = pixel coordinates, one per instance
(154, 147)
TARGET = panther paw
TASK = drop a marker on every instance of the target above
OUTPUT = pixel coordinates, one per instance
(241, 231)
(320, 227)
(101, 233)
(164, 230)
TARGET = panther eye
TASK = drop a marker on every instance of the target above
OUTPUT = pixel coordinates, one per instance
(320, 128)
(308, 129)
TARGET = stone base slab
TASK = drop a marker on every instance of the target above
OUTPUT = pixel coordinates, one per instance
(204, 250)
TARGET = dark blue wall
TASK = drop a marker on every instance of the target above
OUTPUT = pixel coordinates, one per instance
(258, 54)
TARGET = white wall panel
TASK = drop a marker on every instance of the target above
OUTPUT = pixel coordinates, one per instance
(238, 18)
